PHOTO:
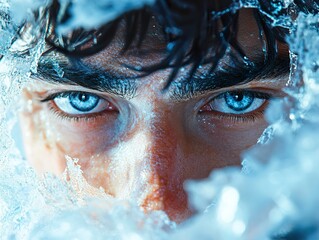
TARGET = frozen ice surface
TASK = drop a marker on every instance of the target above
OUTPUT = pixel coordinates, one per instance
(275, 194)
(52, 208)
(96, 221)
(102, 10)
(22, 9)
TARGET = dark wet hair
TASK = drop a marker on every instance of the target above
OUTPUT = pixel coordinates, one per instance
(197, 32)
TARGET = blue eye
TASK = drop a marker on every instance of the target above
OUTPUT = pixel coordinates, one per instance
(77, 103)
(83, 102)
(238, 102)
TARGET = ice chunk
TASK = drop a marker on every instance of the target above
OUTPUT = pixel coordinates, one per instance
(275, 195)
(92, 14)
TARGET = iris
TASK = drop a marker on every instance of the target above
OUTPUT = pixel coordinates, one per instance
(239, 101)
(83, 102)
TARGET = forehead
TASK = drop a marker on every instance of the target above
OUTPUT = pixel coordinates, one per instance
(154, 46)
(112, 68)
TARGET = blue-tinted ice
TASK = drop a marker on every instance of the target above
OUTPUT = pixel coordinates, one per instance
(275, 193)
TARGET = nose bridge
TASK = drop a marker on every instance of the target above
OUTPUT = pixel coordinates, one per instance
(142, 163)
(163, 145)
(164, 153)
(145, 166)
(128, 170)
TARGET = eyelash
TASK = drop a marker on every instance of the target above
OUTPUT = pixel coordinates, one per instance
(64, 116)
(245, 117)
(234, 118)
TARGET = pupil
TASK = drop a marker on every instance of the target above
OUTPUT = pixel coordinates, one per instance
(239, 101)
(83, 102)
(83, 97)
(238, 96)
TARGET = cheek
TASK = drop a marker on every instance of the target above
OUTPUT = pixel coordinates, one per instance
(41, 149)
(88, 137)
(48, 138)
(228, 139)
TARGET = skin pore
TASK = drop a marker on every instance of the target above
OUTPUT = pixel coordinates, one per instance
(137, 141)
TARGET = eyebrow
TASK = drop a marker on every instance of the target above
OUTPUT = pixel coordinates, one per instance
(225, 78)
(57, 71)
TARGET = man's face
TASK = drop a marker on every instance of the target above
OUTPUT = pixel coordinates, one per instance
(137, 141)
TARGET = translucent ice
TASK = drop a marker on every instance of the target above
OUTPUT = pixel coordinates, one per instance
(22, 9)
(275, 196)
(103, 11)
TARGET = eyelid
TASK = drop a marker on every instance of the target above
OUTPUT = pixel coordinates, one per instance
(52, 96)
(50, 100)
(272, 93)
(258, 93)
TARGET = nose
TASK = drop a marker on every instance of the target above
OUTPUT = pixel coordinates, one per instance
(165, 155)
(148, 168)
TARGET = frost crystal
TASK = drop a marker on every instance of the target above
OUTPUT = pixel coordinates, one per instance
(274, 196)
(103, 11)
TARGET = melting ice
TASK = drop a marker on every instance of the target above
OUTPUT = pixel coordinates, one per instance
(274, 195)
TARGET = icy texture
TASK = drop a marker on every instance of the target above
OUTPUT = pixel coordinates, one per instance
(275, 193)
(102, 10)
(53, 208)
(99, 220)
(276, 6)
(21, 9)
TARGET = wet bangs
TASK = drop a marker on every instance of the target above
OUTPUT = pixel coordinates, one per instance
(196, 33)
